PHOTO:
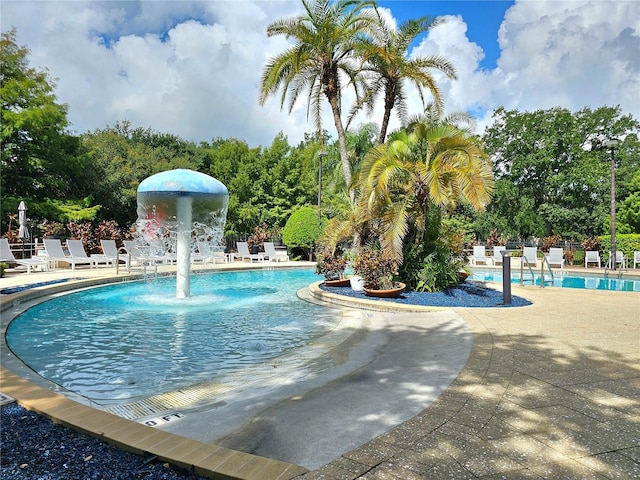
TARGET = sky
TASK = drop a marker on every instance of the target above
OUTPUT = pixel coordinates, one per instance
(193, 68)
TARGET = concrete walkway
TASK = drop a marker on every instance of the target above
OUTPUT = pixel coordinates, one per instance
(551, 390)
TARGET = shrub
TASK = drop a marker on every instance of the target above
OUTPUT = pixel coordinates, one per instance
(260, 235)
(302, 230)
(590, 244)
(376, 268)
(439, 272)
(90, 236)
(494, 239)
(330, 266)
(626, 243)
(52, 229)
(548, 242)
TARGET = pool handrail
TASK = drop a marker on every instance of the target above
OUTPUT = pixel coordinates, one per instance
(524, 260)
(545, 259)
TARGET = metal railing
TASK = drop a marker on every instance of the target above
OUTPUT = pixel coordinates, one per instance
(533, 277)
(545, 260)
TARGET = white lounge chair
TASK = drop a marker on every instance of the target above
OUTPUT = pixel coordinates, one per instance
(6, 255)
(479, 255)
(110, 251)
(142, 255)
(636, 259)
(621, 259)
(243, 252)
(556, 257)
(497, 255)
(53, 249)
(529, 257)
(591, 256)
(274, 255)
(207, 253)
(77, 252)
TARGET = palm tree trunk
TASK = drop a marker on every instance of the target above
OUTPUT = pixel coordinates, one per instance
(388, 106)
(342, 142)
(384, 126)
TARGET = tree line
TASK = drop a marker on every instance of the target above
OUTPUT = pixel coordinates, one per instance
(545, 183)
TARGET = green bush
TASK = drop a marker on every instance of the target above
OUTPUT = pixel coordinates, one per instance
(434, 272)
(625, 243)
(302, 231)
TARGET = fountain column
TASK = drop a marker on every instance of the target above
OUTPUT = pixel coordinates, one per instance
(183, 250)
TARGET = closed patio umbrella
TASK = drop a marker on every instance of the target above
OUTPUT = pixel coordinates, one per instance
(23, 232)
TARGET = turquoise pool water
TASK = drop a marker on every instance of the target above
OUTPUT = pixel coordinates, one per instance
(564, 279)
(122, 342)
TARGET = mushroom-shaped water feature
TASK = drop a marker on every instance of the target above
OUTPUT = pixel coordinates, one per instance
(177, 207)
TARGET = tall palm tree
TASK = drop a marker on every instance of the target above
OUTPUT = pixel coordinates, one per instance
(320, 61)
(388, 67)
(436, 165)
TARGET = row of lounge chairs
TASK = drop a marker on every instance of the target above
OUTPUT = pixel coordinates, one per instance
(529, 256)
(555, 257)
(132, 252)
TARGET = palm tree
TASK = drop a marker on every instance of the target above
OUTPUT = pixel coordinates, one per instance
(385, 56)
(433, 115)
(435, 166)
(321, 59)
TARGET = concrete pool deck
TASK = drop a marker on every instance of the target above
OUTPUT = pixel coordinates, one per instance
(550, 390)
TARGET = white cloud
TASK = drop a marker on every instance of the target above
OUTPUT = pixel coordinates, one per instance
(571, 54)
(193, 68)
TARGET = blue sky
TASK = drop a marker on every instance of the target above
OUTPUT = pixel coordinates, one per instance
(483, 19)
(192, 68)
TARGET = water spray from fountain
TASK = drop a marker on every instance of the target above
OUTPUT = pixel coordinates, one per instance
(178, 209)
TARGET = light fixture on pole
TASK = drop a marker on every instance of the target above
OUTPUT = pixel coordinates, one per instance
(602, 142)
(321, 154)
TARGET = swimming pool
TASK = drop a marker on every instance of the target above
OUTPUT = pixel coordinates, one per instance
(563, 279)
(119, 343)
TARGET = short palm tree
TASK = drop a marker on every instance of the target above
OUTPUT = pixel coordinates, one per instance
(320, 61)
(386, 60)
(436, 165)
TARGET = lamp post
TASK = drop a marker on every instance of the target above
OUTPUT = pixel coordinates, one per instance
(601, 142)
(321, 154)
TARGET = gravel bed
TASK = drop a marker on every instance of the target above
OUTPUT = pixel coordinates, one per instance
(466, 294)
(35, 448)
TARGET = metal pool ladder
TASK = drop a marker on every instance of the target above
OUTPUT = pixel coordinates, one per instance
(543, 280)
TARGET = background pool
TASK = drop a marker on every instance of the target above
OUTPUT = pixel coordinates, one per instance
(122, 342)
(563, 279)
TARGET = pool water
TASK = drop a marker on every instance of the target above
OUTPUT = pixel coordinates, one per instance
(563, 279)
(123, 342)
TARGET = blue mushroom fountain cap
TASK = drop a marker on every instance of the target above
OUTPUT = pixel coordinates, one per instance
(183, 182)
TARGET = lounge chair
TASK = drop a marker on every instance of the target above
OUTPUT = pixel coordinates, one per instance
(636, 259)
(6, 255)
(556, 257)
(77, 251)
(529, 257)
(479, 255)
(591, 256)
(53, 249)
(274, 256)
(243, 252)
(206, 254)
(621, 259)
(142, 255)
(497, 255)
(110, 251)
